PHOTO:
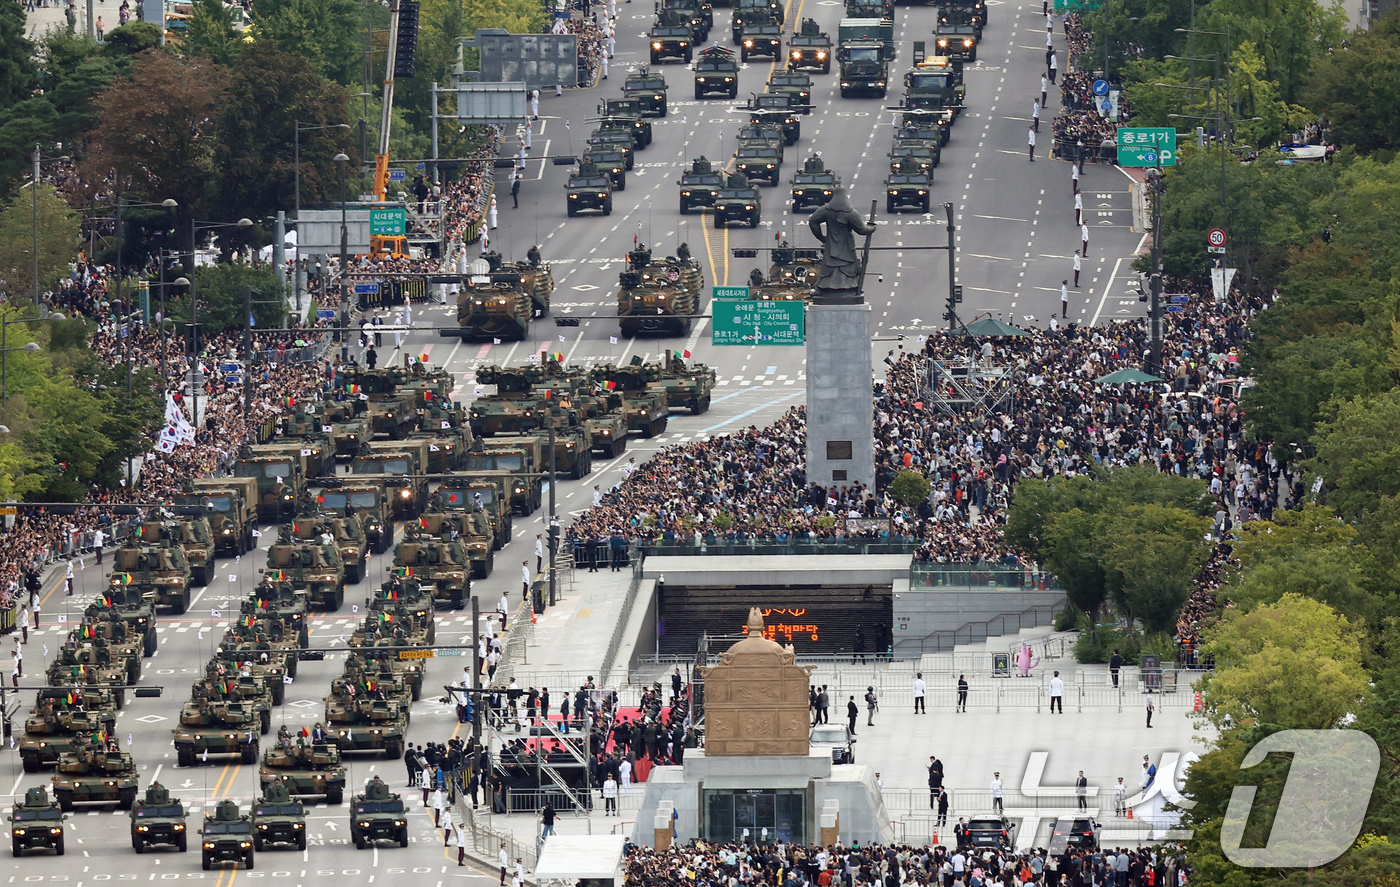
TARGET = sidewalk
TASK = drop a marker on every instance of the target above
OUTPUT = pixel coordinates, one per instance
(571, 638)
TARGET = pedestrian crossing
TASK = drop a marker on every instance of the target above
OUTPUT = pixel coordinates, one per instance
(745, 381)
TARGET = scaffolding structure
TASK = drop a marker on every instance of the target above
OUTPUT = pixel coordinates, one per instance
(963, 386)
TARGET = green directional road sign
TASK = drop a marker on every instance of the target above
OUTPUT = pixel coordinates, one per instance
(758, 322)
(387, 222)
(1146, 146)
(729, 292)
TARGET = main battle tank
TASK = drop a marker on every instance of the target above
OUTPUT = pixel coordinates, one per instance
(57, 721)
(659, 296)
(360, 721)
(305, 769)
(221, 728)
(95, 772)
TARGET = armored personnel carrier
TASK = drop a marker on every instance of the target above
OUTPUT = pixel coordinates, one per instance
(358, 721)
(378, 815)
(58, 718)
(277, 819)
(738, 201)
(95, 772)
(391, 412)
(648, 89)
(160, 569)
(305, 769)
(813, 185)
(313, 567)
(227, 836)
(700, 185)
(512, 409)
(501, 304)
(658, 296)
(687, 386)
(219, 728)
(158, 820)
(437, 562)
(367, 500)
(195, 538)
(36, 824)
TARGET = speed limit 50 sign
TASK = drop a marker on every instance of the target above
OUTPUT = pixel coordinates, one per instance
(1216, 237)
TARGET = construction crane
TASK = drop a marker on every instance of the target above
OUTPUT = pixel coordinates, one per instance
(396, 245)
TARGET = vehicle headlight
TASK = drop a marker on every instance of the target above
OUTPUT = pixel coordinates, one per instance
(19, 832)
(208, 845)
(143, 828)
(179, 826)
(821, 55)
(748, 44)
(656, 45)
(245, 844)
(298, 825)
(55, 830)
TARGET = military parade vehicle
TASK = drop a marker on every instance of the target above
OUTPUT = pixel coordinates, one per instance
(611, 163)
(349, 424)
(435, 562)
(347, 532)
(399, 467)
(135, 607)
(716, 71)
(936, 84)
(280, 480)
(305, 768)
(687, 386)
(95, 772)
(738, 201)
(672, 41)
(964, 12)
(625, 112)
(60, 716)
(104, 629)
(700, 184)
(864, 70)
(861, 9)
(907, 188)
(36, 824)
(378, 815)
(193, 535)
(314, 567)
(752, 12)
(447, 446)
(227, 836)
(473, 531)
(776, 110)
(588, 188)
(761, 39)
(84, 659)
(501, 304)
(277, 819)
(908, 154)
(229, 503)
(525, 461)
(461, 492)
(264, 643)
(658, 296)
(644, 400)
(809, 49)
(366, 500)
(512, 409)
(616, 138)
(155, 568)
(929, 127)
(700, 13)
(813, 185)
(280, 599)
(360, 721)
(649, 91)
(795, 84)
(224, 683)
(392, 412)
(375, 678)
(605, 429)
(158, 820)
(957, 40)
(304, 432)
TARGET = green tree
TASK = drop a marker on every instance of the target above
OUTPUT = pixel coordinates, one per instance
(1295, 664)
(57, 230)
(211, 32)
(325, 33)
(1152, 555)
(1358, 453)
(1290, 35)
(221, 297)
(1357, 86)
(132, 39)
(17, 68)
(910, 487)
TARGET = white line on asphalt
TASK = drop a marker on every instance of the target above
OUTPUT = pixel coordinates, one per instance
(1103, 297)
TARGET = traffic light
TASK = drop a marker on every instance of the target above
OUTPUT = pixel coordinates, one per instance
(406, 50)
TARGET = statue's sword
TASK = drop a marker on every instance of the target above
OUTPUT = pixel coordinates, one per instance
(865, 253)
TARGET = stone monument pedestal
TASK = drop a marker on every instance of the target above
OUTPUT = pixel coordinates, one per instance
(840, 401)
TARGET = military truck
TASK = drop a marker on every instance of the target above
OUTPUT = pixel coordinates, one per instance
(277, 819)
(157, 569)
(58, 717)
(36, 824)
(864, 69)
(700, 14)
(280, 479)
(868, 30)
(209, 727)
(935, 85)
(795, 84)
(881, 9)
(229, 503)
(227, 836)
(461, 492)
(193, 535)
(761, 39)
(315, 455)
(957, 41)
(611, 163)
(809, 49)
(378, 815)
(644, 401)
(436, 562)
(813, 185)
(314, 567)
(700, 184)
(588, 188)
(366, 500)
(658, 296)
(305, 769)
(687, 386)
(447, 447)
(964, 12)
(360, 722)
(673, 41)
(738, 201)
(158, 820)
(716, 71)
(94, 772)
(399, 466)
(648, 89)
(524, 461)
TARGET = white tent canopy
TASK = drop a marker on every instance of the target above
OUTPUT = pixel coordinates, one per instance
(578, 857)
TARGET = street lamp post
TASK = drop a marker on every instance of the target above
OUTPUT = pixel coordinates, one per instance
(296, 153)
(168, 203)
(344, 161)
(179, 281)
(34, 184)
(195, 227)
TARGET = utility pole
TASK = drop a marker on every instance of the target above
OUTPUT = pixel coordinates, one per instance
(553, 519)
(954, 291)
(1154, 321)
(476, 670)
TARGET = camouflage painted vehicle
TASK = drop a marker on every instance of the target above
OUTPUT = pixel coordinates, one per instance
(460, 492)
(501, 304)
(158, 820)
(229, 504)
(385, 655)
(437, 562)
(216, 728)
(349, 425)
(398, 465)
(265, 643)
(512, 409)
(372, 678)
(156, 568)
(94, 772)
(223, 685)
(116, 637)
(447, 447)
(358, 721)
(90, 662)
(195, 538)
(687, 386)
(58, 718)
(313, 567)
(523, 457)
(391, 412)
(280, 476)
(347, 532)
(378, 815)
(367, 500)
(305, 769)
(281, 599)
(277, 819)
(644, 402)
(649, 91)
(658, 296)
(474, 534)
(227, 836)
(36, 823)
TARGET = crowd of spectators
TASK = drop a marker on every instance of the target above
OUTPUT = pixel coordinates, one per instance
(592, 40)
(1080, 133)
(701, 864)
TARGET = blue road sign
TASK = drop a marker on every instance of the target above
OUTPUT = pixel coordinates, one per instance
(325, 314)
(366, 289)
(229, 367)
(1180, 300)
(1100, 87)
(233, 380)
(397, 175)
(1175, 309)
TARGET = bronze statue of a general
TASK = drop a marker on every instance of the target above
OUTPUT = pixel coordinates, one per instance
(840, 279)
